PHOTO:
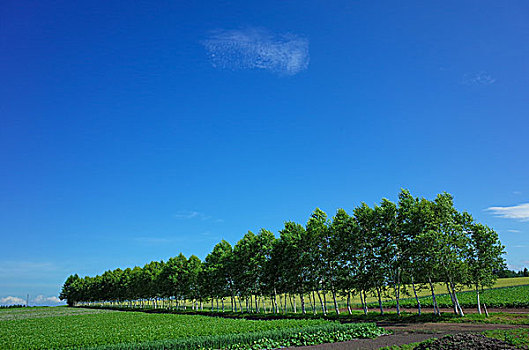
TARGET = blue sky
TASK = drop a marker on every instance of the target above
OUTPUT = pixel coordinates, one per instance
(133, 131)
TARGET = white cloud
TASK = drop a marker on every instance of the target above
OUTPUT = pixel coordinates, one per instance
(284, 54)
(43, 300)
(10, 300)
(186, 214)
(513, 231)
(480, 78)
(519, 212)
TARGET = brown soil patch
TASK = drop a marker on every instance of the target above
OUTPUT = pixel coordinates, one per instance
(406, 333)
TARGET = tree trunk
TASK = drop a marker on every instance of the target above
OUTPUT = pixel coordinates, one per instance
(435, 307)
(454, 305)
(275, 302)
(321, 302)
(349, 303)
(397, 291)
(311, 304)
(324, 300)
(461, 313)
(335, 302)
(380, 301)
(302, 297)
(364, 302)
(477, 297)
(416, 297)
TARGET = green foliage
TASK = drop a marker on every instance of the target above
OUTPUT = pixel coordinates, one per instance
(132, 330)
(498, 297)
(516, 337)
(376, 250)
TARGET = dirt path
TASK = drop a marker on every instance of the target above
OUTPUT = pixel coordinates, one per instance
(407, 333)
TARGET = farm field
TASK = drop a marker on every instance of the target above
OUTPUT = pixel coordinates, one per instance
(63, 328)
(491, 296)
(508, 297)
(440, 288)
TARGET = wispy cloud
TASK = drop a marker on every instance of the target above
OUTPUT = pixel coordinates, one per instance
(187, 214)
(11, 300)
(190, 214)
(38, 300)
(513, 231)
(44, 300)
(480, 78)
(518, 212)
(284, 54)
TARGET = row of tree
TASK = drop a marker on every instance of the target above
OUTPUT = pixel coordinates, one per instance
(391, 248)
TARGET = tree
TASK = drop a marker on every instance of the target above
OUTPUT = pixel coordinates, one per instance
(485, 255)
(294, 265)
(373, 276)
(320, 254)
(69, 291)
(218, 273)
(345, 246)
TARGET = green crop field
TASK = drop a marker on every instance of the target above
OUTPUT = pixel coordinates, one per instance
(440, 288)
(62, 328)
(517, 296)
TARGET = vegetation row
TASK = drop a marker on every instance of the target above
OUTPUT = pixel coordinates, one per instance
(51, 328)
(391, 248)
(508, 297)
(273, 339)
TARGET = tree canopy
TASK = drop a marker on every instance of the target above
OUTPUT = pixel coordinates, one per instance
(372, 251)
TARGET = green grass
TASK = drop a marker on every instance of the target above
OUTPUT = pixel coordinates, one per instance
(53, 328)
(517, 296)
(516, 337)
(41, 312)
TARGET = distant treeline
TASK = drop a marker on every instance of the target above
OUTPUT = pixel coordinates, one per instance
(505, 273)
(11, 306)
(389, 248)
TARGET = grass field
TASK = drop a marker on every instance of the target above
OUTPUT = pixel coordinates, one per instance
(62, 328)
(441, 289)
(512, 297)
